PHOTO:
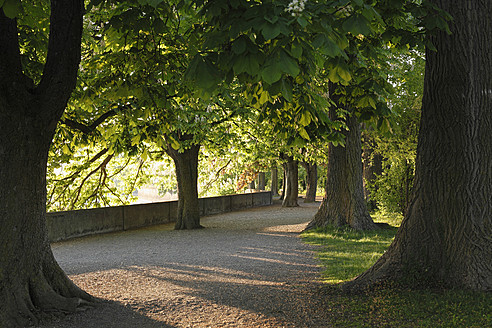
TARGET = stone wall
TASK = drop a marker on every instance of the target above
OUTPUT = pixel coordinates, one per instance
(71, 224)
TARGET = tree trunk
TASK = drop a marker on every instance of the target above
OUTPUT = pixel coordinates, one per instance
(373, 167)
(445, 237)
(343, 203)
(261, 181)
(252, 185)
(311, 181)
(284, 180)
(186, 164)
(291, 192)
(274, 181)
(31, 282)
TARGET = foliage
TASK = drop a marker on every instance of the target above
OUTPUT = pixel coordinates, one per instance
(155, 71)
(93, 178)
(391, 190)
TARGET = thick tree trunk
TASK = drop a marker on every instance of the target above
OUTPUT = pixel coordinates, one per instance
(186, 164)
(343, 203)
(311, 181)
(291, 192)
(445, 237)
(372, 168)
(261, 181)
(274, 186)
(31, 282)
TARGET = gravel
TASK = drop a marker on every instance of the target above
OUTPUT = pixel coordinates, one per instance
(245, 269)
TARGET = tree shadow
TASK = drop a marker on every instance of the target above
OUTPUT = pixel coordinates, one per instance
(107, 314)
(243, 276)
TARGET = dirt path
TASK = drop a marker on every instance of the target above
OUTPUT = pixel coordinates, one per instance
(246, 269)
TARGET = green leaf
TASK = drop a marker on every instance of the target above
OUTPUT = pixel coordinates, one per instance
(306, 118)
(239, 45)
(367, 101)
(66, 150)
(174, 144)
(330, 48)
(159, 26)
(154, 3)
(287, 90)
(288, 65)
(344, 73)
(302, 21)
(247, 64)
(12, 8)
(304, 134)
(264, 97)
(296, 50)
(271, 74)
(357, 24)
(145, 155)
(203, 73)
(136, 140)
(270, 31)
(333, 76)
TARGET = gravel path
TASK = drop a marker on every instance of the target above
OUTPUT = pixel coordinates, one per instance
(246, 269)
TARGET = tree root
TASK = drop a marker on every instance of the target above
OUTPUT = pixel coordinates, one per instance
(46, 293)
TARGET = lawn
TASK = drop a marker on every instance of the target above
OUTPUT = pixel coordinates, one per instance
(345, 253)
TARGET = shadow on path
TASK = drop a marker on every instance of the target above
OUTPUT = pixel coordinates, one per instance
(247, 269)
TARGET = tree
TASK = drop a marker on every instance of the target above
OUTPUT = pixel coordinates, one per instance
(311, 181)
(343, 203)
(444, 238)
(261, 180)
(186, 164)
(30, 279)
(291, 181)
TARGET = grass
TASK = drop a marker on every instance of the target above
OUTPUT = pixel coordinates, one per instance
(345, 253)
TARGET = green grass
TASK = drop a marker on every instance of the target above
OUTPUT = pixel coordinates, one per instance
(345, 253)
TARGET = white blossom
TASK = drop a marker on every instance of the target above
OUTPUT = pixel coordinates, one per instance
(295, 7)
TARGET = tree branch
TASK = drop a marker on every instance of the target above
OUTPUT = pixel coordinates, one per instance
(217, 174)
(100, 167)
(64, 52)
(10, 60)
(88, 129)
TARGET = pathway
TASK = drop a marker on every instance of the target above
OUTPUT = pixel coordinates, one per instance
(246, 269)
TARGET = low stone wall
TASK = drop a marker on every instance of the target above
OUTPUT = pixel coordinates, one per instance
(71, 224)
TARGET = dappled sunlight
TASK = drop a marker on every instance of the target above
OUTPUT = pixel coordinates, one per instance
(292, 228)
(178, 292)
(245, 269)
(272, 260)
(346, 253)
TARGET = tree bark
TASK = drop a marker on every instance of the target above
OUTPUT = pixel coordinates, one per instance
(31, 282)
(186, 163)
(252, 185)
(445, 237)
(343, 203)
(291, 192)
(311, 181)
(261, 181)
(274, 186)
